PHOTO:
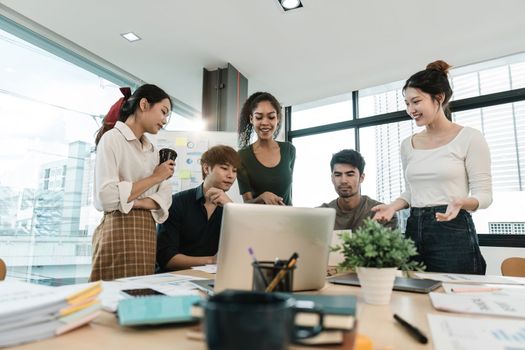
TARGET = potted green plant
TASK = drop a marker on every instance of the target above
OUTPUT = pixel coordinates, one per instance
(376, 252)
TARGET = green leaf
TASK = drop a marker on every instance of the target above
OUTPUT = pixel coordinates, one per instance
(374, 245)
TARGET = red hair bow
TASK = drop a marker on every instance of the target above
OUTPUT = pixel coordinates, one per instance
(111, 118)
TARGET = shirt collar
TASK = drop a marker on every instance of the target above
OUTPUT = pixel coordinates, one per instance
(130, 136)
(199, 194)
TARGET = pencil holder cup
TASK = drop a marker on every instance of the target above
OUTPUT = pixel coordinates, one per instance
(264, 272)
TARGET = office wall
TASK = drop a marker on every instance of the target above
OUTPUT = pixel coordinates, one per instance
(495, 256)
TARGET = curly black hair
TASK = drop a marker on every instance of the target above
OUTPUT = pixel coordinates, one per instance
(245, 127)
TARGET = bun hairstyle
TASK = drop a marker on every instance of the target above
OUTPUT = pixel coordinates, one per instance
(433, 81)
(127, 105)
(440, 66)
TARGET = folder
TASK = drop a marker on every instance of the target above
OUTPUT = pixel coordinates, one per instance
(156, 310)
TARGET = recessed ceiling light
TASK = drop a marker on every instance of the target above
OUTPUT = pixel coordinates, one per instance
(290, 4)
(131, 37)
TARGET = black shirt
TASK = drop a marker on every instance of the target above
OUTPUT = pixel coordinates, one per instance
(187, 230)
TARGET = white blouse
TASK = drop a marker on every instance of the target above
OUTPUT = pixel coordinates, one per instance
(122, 160)
(438, 176)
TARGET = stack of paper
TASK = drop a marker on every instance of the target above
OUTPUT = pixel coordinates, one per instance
(30, 312)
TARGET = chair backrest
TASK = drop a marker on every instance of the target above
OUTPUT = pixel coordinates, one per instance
(513, 267)
(3, 270)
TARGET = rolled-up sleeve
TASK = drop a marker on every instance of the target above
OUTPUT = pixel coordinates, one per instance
(478, 166)
(110, 193)
(163, 197)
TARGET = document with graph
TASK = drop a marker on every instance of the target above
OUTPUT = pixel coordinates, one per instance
(465, 333)
(489, 305)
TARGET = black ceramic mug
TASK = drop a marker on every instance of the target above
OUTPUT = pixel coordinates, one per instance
(235, 320)
(166, 154)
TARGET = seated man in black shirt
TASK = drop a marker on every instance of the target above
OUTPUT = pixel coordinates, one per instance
(190, 235)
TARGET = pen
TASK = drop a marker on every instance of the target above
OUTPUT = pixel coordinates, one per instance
(291, 262)
(475, 289)
(413, 331)
(257, 266)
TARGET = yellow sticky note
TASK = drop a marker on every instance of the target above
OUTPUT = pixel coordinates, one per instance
(181, 141)
(185, 174)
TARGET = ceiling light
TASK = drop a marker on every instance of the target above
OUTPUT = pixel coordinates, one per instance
(290, 4)
(131, 37)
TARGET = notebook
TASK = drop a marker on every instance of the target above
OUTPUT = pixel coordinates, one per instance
(338, 310)
(156, 310)
(402, 284)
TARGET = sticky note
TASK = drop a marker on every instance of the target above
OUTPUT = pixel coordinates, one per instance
(185, 174)
(181, 141)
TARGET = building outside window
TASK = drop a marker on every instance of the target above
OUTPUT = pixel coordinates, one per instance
(51, 110)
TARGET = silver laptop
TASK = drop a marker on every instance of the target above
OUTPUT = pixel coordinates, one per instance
(273, 232)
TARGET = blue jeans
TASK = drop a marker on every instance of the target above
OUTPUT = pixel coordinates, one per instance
(446, 246)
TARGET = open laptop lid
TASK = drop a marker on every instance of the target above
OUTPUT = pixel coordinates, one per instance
(273, 232)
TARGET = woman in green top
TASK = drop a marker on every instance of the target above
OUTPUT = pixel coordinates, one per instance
(266, 171)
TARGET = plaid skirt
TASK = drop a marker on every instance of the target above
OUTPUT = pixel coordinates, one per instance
(124, 245)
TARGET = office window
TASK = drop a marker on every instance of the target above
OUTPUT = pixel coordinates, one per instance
(50, 110)
(381, 99)
(322, 112)
(502, 125)
(312, 185)
(484, 78)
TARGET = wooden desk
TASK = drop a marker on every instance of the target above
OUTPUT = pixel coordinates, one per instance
(374, 321)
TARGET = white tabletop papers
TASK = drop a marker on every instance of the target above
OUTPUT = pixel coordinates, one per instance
(166, 283)
(470, 279)
(482, 304)
(210, 268)
(464, 333)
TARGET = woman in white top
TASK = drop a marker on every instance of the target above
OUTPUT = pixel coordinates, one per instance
(447, 176)
(130, 185)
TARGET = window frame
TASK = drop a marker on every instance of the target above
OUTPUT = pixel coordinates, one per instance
(488, 100)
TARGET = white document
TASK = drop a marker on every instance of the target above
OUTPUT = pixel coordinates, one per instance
(463, 278)
(484, 289)
(167, 283)
(510, 306)
(210, 268)
(464, 333)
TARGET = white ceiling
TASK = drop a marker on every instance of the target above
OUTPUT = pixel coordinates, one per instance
(329, 47)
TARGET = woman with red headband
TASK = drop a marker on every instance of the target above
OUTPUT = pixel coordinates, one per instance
(130, 185)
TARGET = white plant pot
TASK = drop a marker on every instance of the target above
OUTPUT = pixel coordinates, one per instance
(376, 284)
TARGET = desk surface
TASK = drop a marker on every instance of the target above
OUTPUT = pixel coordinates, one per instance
(374, 321)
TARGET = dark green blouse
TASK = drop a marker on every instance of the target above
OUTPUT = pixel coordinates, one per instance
(256, 178)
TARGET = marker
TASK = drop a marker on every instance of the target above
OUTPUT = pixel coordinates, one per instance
(257, 266)
(291, 262)
(413, 331)
(475, 289)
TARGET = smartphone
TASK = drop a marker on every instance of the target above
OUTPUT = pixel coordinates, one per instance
(141, 292)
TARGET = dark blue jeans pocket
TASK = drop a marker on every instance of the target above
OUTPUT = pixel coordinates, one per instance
(447, 246)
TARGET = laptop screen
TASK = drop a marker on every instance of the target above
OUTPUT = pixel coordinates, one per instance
(273, 232)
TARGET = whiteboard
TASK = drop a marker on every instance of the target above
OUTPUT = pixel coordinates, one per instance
(190, 146)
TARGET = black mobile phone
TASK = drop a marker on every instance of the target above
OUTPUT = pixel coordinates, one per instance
(141, 292)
